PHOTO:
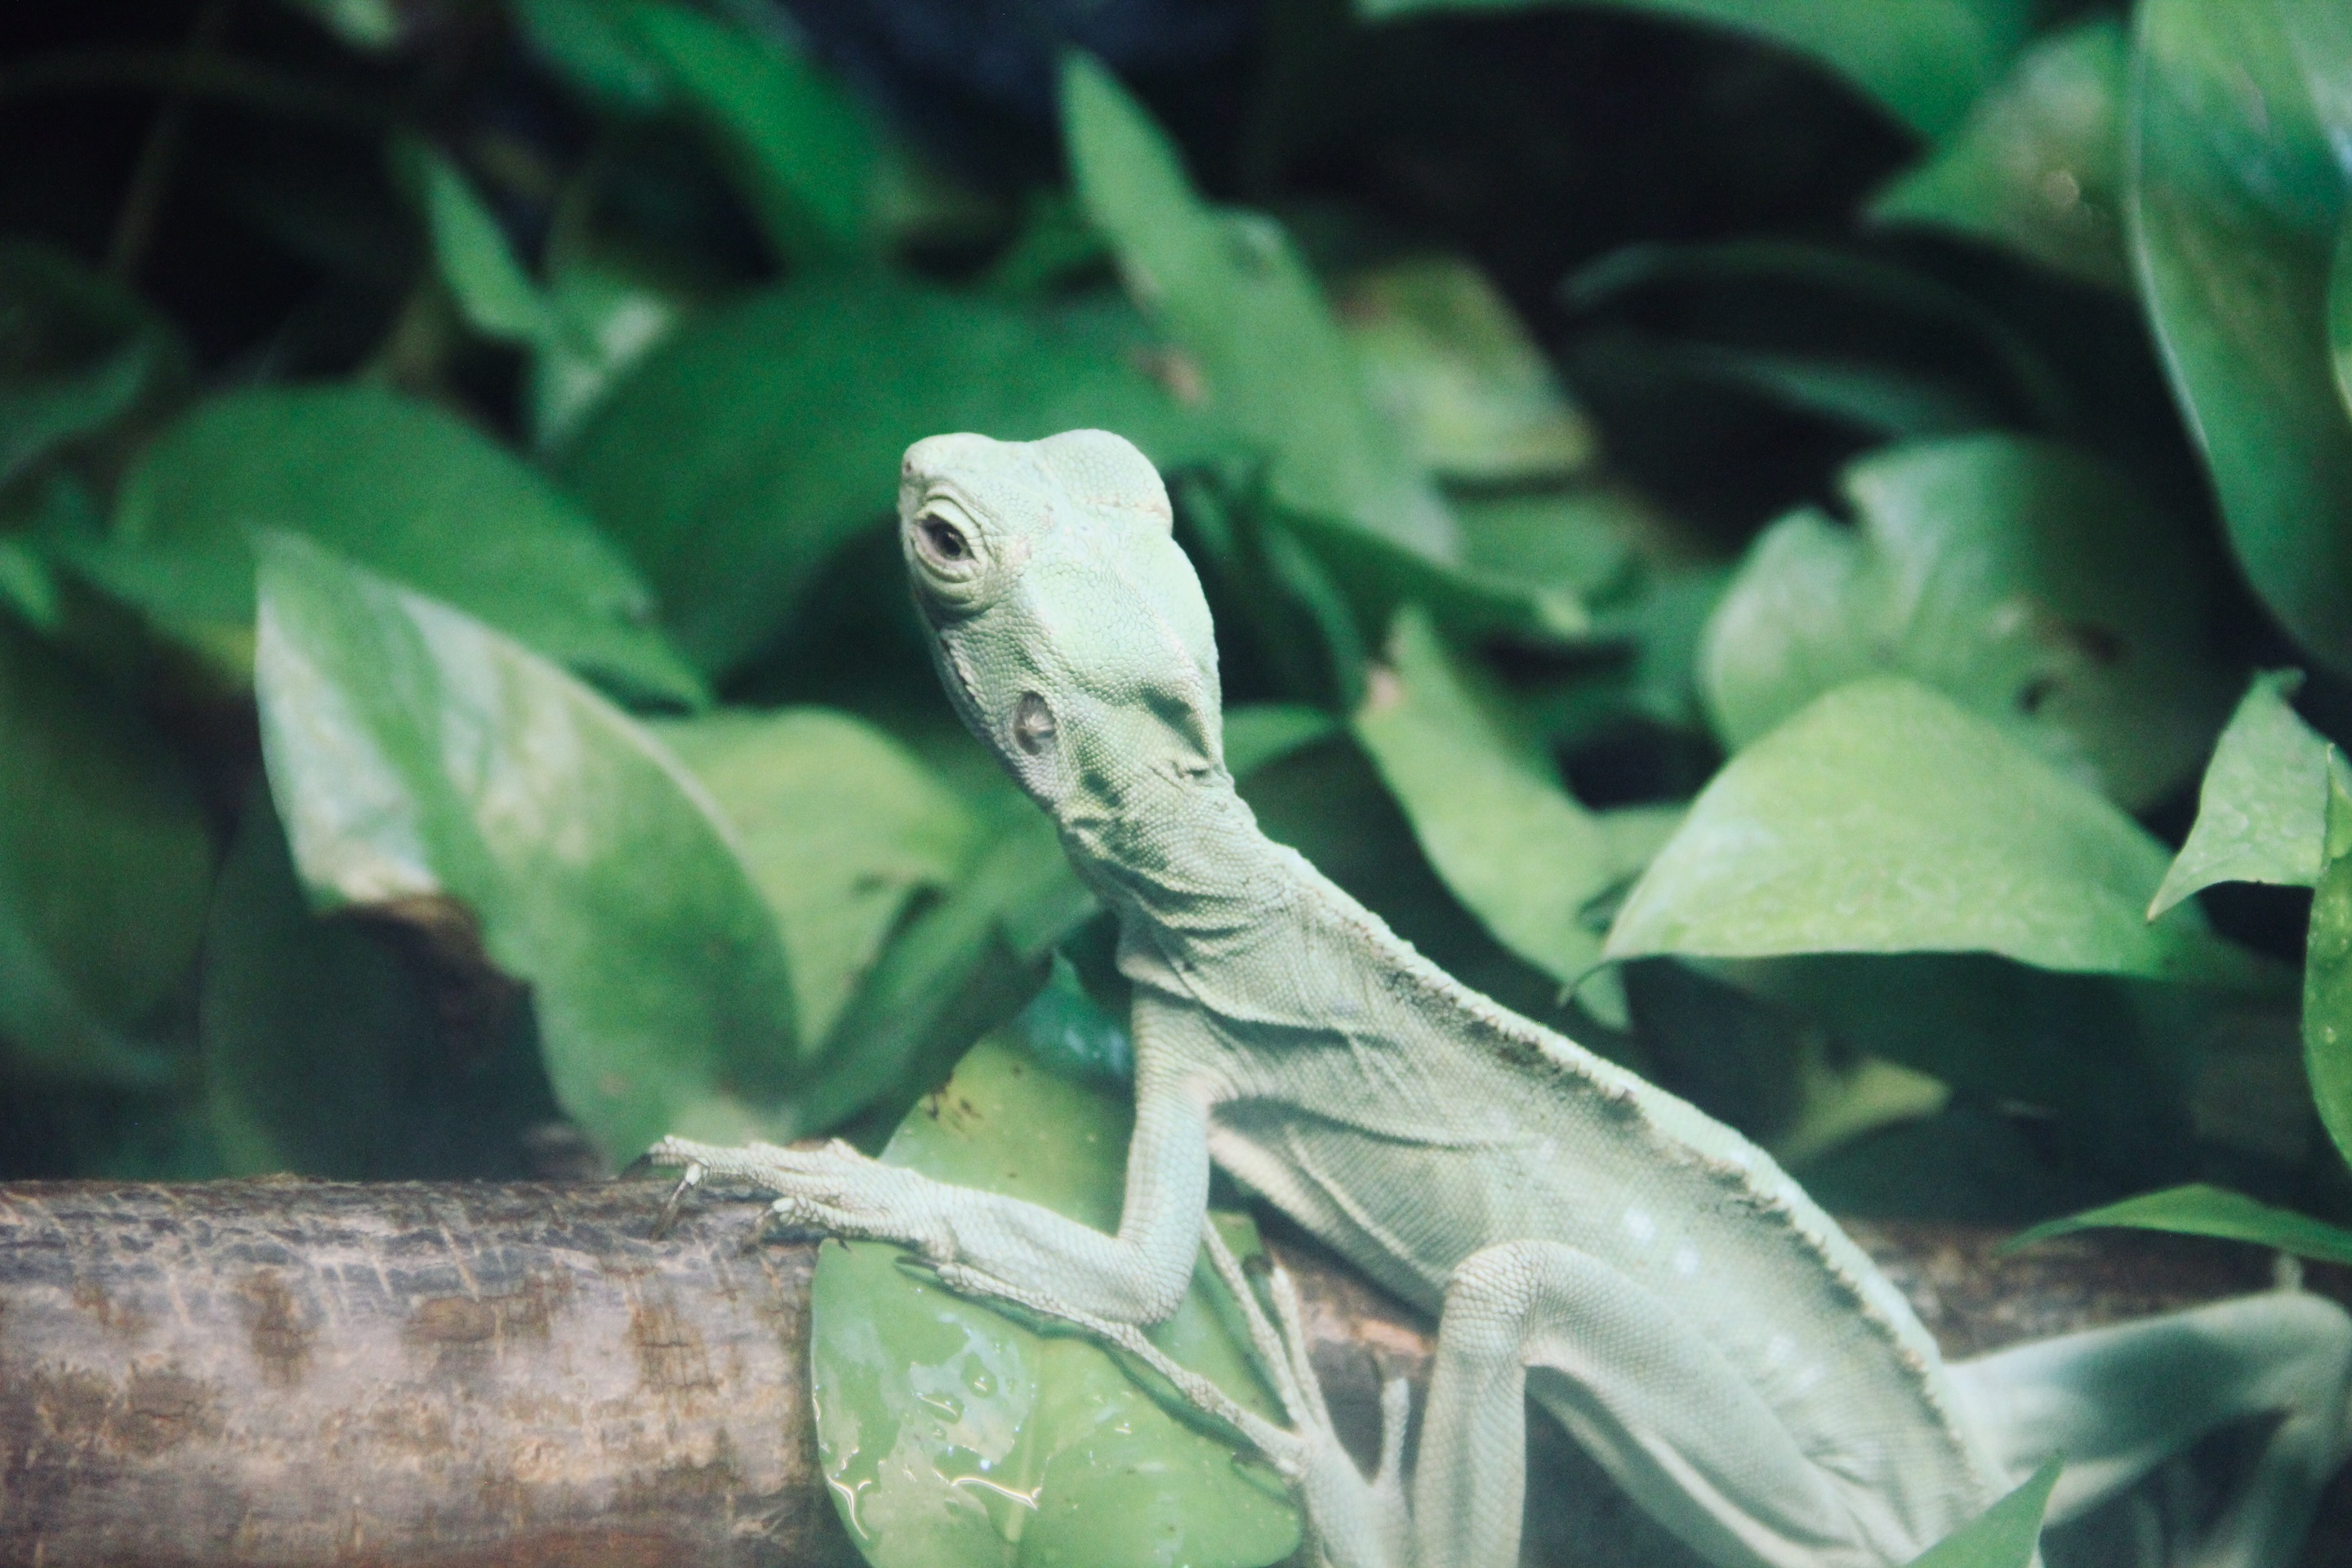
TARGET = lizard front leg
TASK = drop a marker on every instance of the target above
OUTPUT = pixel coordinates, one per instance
(977, 1239)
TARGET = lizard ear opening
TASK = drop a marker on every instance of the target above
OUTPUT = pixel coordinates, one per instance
(1103, 471)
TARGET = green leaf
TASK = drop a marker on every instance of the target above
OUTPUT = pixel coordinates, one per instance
(2007, 1535)
(839, 827)
(402, 489)
(2262, 813)
(2235, 207)
(1884, 818)
(367, 24)
(1841, 333)
(590, 44)
(2201, 1210)
(418, 754)
(2029, 582)
(965, 965)
(753, 442)
(800, 150)
(1259, 734)
(1925, 60)
(1452, 370)
(2339, 313)
(1235, 296)
(497, 296)
(106, 867)
(78, 353)
(1485, 803)
(2038, 164)
(2328, 967)
(952, 1435)
(326, 1052)
(615, 309)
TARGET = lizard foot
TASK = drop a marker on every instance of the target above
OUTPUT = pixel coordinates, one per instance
(832, 1189)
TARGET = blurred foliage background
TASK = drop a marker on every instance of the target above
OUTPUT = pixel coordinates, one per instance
(1736, 526)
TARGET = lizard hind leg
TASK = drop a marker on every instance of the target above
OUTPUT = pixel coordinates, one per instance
(2119, 1401)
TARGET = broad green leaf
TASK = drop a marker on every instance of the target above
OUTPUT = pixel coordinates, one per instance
(400, 487)
(1575, 540)
(2236, 203)
(952, 1435)
(741, 452)
(2006, 1535)
(1884, 818)
(1485, 803)
(106, 867)
(2262, 813)
(416, 753)
(1236, 298)
(838, 828)
(78, 352)
(497, 296)
(1454, 372)
(2201, 1210)
(2328, 966)
(1067, 1030)
(2029, 582)
(326, 1053)
(800, 150)
(2038, 164)
(1924, 60)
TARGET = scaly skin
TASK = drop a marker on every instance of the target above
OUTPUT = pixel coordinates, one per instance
(1642, 1271)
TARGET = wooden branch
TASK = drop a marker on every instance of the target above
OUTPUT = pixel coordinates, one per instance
(290, 1372)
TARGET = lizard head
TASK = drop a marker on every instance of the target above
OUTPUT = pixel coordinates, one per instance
(1067, 626)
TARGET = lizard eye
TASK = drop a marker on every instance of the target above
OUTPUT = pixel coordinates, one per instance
(1033, 724)
(943, 539)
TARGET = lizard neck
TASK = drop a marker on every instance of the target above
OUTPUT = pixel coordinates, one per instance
(1183, 857)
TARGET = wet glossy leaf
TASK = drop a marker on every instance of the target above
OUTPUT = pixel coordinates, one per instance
(1925, 60)
(2006, 1535)
(1234, 295)
(78, 352)
(106, 867)
(2235, 211)
(952, 1435)
(2328, 967)
(401, 488)
(326, 1051)
(1452, 368)
(1884, 818)
(418, 754)
(745, 449)
(2201, 1210)
(1486, 803)
(800, 150)
(837, 826)
(2262, 813)
(2038, 164)
(2029, 582)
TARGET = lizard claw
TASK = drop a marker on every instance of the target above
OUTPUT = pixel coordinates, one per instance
(688, 1179)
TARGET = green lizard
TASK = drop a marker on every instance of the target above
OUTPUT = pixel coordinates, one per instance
(1587, 1241)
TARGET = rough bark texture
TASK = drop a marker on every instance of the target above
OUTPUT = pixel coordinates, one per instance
(308, 1373)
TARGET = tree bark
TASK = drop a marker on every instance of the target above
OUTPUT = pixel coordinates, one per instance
(288, 1372)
